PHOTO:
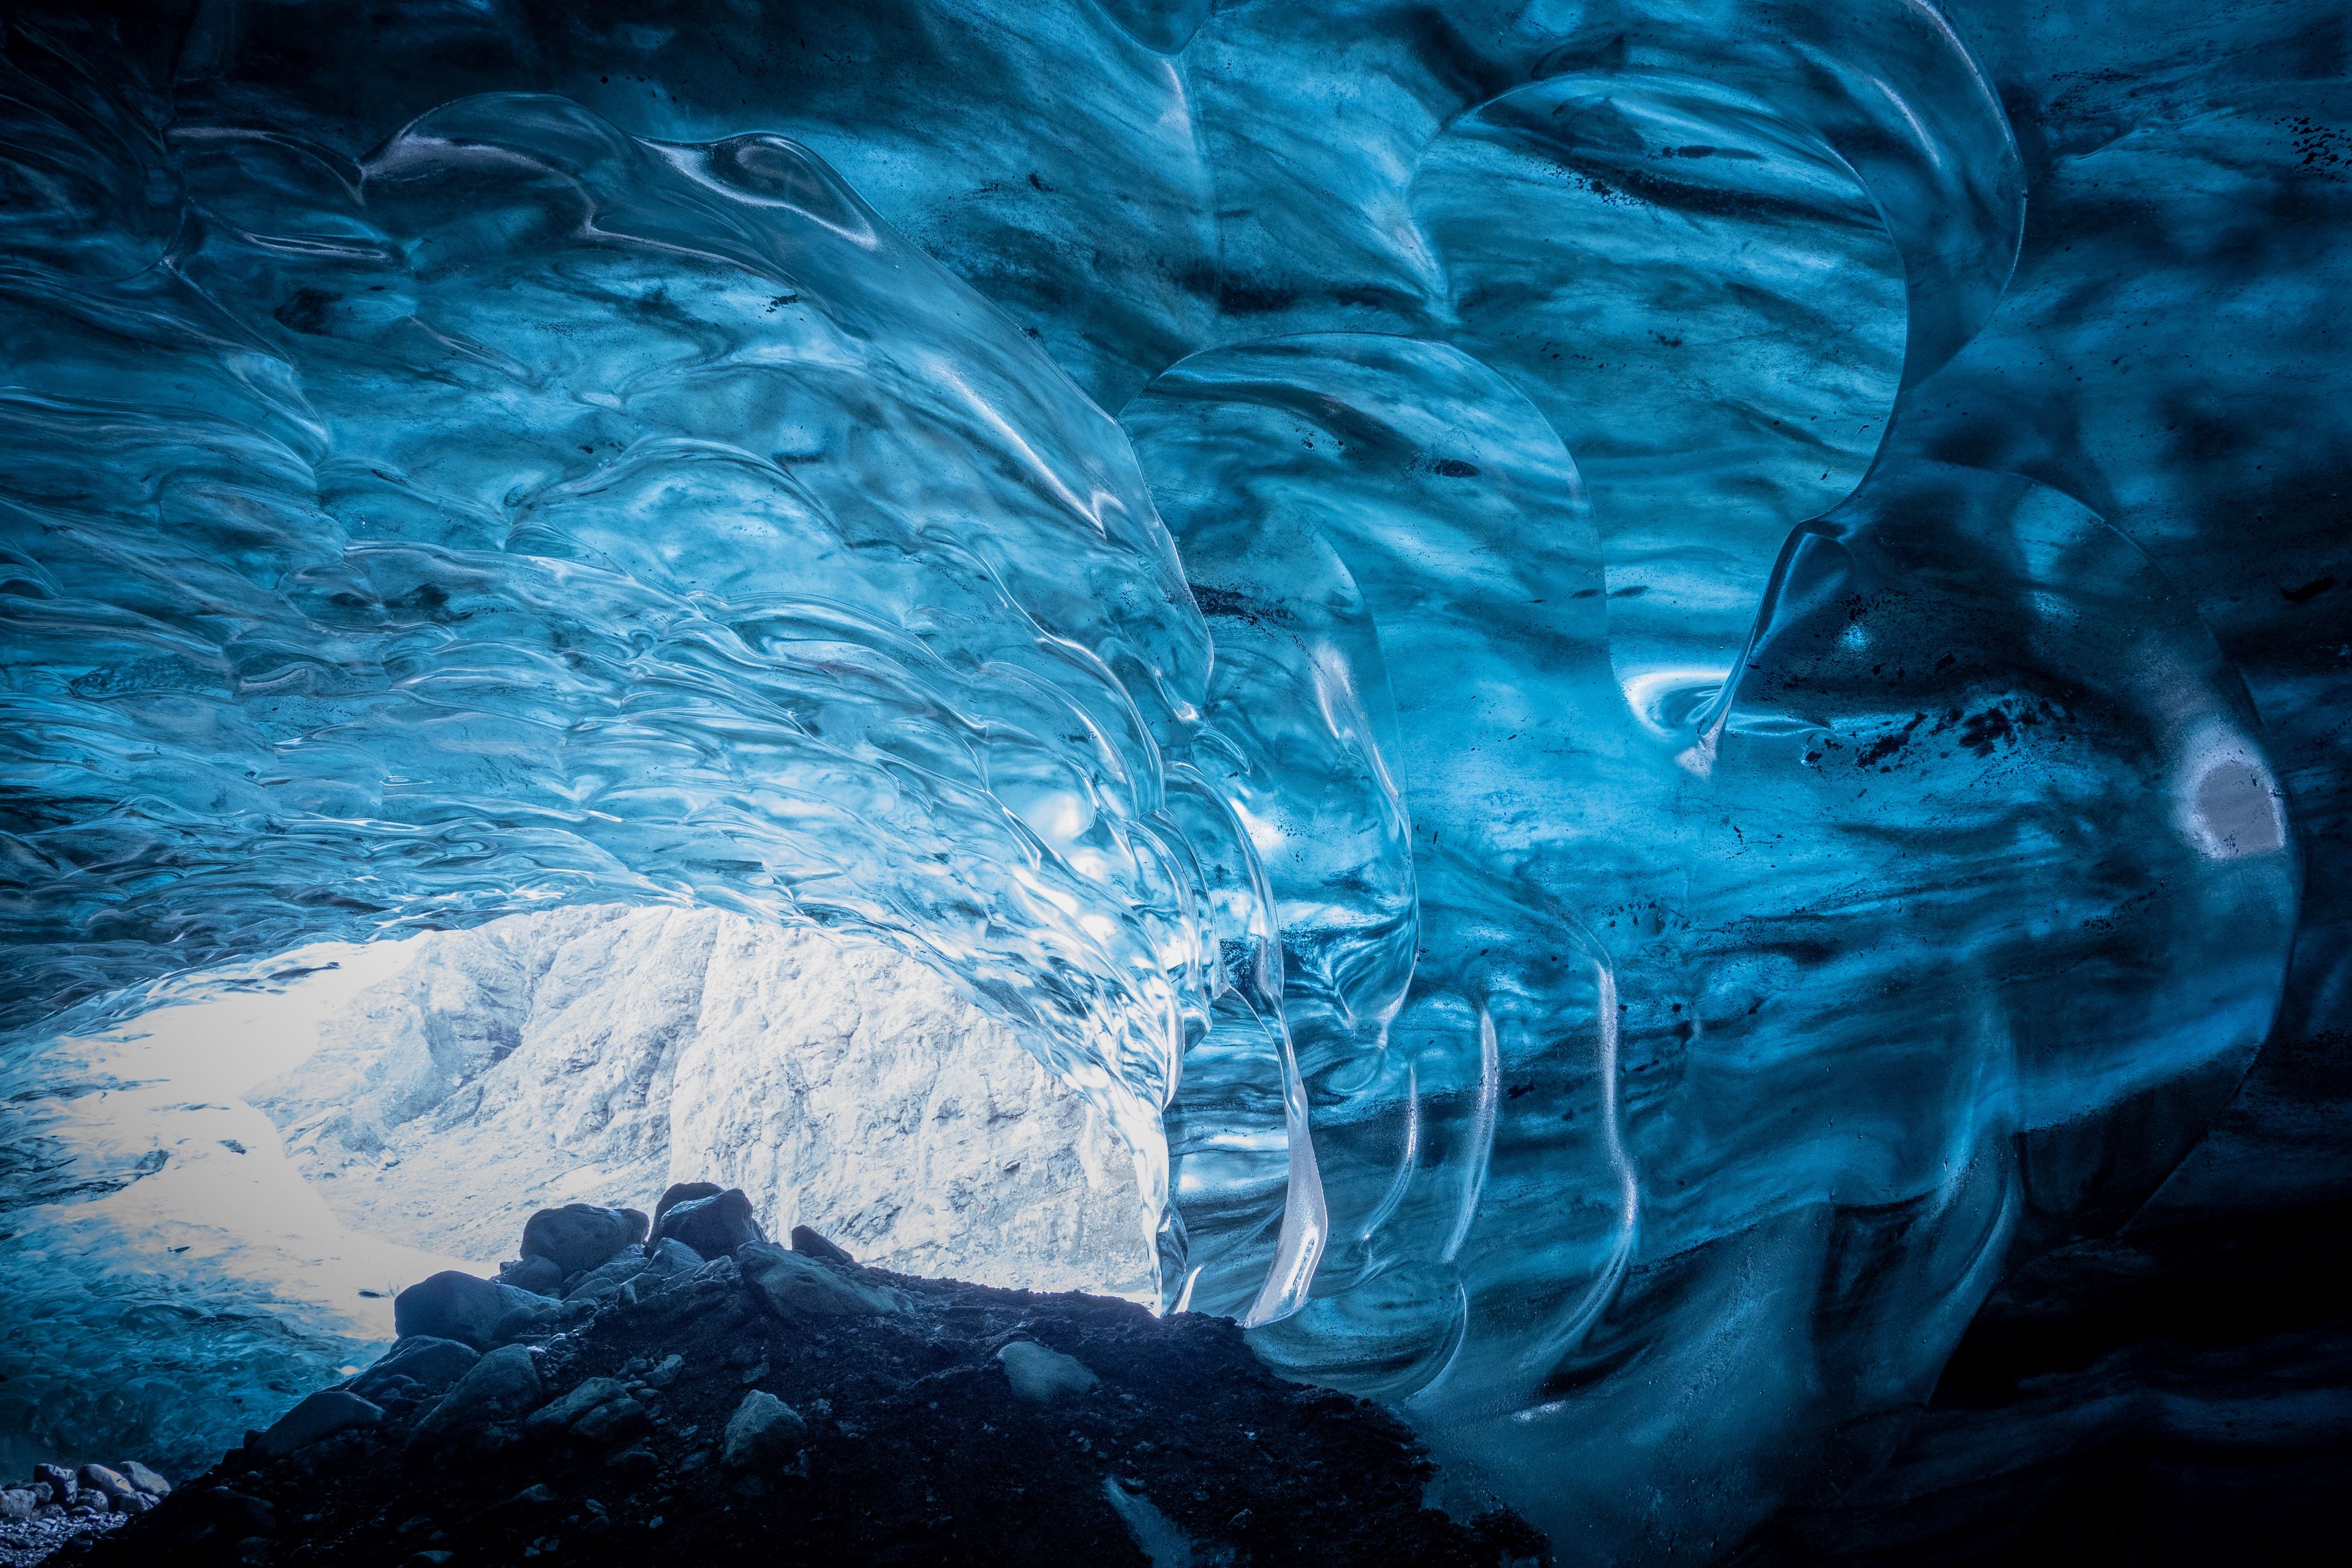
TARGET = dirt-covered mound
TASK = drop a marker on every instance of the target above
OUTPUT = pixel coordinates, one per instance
(776, 1405)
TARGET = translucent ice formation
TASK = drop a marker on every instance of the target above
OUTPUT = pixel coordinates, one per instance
(1603, 849)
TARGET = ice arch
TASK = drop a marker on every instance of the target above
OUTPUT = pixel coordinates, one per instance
(525, 513)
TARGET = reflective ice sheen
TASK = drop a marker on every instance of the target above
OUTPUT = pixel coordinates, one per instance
(1603, 862)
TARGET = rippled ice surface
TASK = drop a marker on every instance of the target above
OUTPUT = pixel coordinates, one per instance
(1600, 886)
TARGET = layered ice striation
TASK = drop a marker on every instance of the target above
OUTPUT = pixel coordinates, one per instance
(1601, 860)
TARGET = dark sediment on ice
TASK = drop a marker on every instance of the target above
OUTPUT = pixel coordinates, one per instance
(771, 1405)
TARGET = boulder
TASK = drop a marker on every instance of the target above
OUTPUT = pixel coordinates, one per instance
(810, 1244)
(19, 1503)
(714, 1226)
(62, 1485)
(503, 1386)
(682, 1192)
(145, 1479)
(799, 1288)
(1044, 1375)
(539, 1276)
(431, 1364)
(111, 1485)
(324, 1413)
(455, 1306)
(580, 1236)
(762, 1431)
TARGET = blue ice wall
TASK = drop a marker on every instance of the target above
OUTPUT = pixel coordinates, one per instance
(1671, 711)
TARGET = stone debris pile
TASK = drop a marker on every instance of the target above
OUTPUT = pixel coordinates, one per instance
(673, 1385)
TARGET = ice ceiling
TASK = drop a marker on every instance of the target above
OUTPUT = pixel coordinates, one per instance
(1441, 603)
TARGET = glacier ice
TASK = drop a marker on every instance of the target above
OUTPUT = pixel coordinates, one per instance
(273, 1151)
(544, 1060)
(1449, 611)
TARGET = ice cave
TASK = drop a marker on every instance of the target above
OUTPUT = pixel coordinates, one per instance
(1486, 781)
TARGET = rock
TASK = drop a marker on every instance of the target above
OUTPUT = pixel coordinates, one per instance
(454, 1306)
(137, 1502)
(539, 1276)
(540, 1315)
(763, 1431)
(712, 1293)
(111, 1485)
(20, 1503)
(810, 1244)
(665, 1374)
(145, 1479)
(714, 1226)
(580, 1236)
(62, 1485)
(324, 1413)
(634, 1461)
(603, 1283)
(430, 1363)
(672, 1257)
(520, 1509)
(799, 1288)
(682, 1192)
(1044, 1375)
(503, 1386)
(234, 1514)
(600, 1410)
(427, 1559)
